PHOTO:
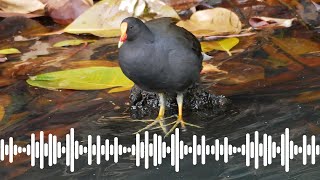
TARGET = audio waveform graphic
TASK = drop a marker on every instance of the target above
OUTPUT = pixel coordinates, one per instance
(154, 152)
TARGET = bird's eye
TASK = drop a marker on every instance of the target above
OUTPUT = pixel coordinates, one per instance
(131, 27)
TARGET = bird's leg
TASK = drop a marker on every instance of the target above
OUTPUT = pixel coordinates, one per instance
(180, 116)
(160, 118)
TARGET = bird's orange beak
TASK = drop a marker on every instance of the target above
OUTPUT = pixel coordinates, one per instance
(123, 29)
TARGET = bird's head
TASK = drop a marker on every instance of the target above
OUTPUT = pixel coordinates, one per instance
(130, 29)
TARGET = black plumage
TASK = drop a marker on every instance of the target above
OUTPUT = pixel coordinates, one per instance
(159, 56)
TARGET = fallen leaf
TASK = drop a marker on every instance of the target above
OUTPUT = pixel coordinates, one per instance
(136, 7)
(73, 42)
(296, 46)
(267, 22)
(3, 59)
(211, 38)
(9, 51)
(222, 45)
(182, 4)
(308, 13)
(91, 78)
(30, 15)
(210, 22)
(5, 100)
(161, 9)
(237, 73)
(103, 19)
(276, 63)
(66, 11)
(18, 6)
(37, 49)
(14, 26)
(316, 5)
(209, 68)
(1, 112)
(120, 89)
(307, 97)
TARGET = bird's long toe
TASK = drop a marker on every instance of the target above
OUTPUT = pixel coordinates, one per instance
(159, 120)
(183, 125)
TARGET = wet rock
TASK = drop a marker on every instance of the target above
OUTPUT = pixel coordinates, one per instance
(196, 99)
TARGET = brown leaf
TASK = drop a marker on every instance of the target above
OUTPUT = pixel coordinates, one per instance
(210, 22)
(308, 96)
(23, 7)
(29, 15)
(237, 73)
(2, 112)
(65, 11)
(296, 46)
(316, 5)
(20, 25)
(5, 100)
(209, 68)
(182, 4)
(3, 59)
(267, 22)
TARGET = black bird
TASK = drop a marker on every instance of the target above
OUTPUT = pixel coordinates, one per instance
(160, 57)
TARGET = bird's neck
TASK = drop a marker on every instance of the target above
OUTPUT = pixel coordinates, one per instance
(147, 36)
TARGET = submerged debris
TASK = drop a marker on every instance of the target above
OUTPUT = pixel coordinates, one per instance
(145, 103)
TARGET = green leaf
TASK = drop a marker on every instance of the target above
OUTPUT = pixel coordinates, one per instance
(73, 42)
(91, 78)
(9, 51)
(222, 45)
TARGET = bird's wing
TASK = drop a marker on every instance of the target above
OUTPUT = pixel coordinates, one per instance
(167, 28)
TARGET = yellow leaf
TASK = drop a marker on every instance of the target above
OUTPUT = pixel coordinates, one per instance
(222, 45)
(73, 42)
(216, 21)
(90, 78)
(9, 51)
(120, 89)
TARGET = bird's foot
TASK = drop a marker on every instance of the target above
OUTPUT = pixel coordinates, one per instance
(183, 125)
(159, 119)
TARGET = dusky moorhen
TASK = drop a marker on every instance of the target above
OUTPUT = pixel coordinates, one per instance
(160, 57)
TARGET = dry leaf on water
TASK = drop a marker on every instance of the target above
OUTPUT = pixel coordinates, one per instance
(210, 22)
(104, 18)
(307, 97)
(65, 11)
(267, 22)
(209, 68)
(316, 5)
(14, 26)
(296, 46)
(1, 112)
(19, 6)
(73, 42)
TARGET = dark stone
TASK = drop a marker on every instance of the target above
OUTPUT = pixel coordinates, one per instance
(196, 99)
